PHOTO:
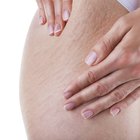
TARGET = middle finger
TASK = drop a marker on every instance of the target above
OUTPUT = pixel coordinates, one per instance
(99, 88)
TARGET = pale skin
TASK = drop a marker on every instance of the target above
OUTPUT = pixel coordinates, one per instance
(51, 63)
(114, 75)
(56, 13)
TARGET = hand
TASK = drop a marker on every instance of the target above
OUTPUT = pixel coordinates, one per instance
(115, 76)
(56, 13)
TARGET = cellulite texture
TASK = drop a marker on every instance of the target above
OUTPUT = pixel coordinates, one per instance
(50, 64)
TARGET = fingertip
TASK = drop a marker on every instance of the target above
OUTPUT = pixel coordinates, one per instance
(50, 29)
(57, 29)
(91, 58)
(42, 20)
(66, 15)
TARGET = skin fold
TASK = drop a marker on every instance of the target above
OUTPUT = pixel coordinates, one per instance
(50, 64)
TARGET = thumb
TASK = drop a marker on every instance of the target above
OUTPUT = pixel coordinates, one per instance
(108, 42)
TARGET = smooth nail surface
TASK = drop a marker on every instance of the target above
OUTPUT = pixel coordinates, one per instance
(69, 106)
(57, 28)
(87, 114)
(114, 111)
(91, 58)
(66, 15)
(50, 29)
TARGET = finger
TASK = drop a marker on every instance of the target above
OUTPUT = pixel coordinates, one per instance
(42, 16)
(92, 75)
(58, 17)
(107, 101)
(117, 108)
(67, 6)
(49, 9)
(108, 42)
(119, 58)
(100, 88)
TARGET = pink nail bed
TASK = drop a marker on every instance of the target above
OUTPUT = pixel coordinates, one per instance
(115, 112)
(91, 58)
(87, 114)
(66, 15)
(69, 106)
(57, 28)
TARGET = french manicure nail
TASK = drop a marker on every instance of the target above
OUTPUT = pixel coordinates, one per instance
(69, 106)
(50, 29)
(57, 28)
(91, 58)
(87, 114)
(66, 15)
(67, 94)
(114, 111)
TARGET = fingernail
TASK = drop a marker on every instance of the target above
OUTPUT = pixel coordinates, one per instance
(115, 111)
(90, 59)
(67, 94)
(66, 15)
(50, 29)
(57, 28)
(69, 106)
(41, 21)
(87, 114)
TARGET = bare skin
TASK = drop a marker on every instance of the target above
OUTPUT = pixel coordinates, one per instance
(50, 64)
(118, 75)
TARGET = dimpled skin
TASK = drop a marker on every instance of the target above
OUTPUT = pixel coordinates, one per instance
(49, 64)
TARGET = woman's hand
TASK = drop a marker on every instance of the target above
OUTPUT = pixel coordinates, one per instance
(115, 76)
(56, 13)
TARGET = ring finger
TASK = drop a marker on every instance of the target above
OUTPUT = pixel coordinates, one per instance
(107, 101)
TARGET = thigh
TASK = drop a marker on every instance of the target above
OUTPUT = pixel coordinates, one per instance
(49, 64)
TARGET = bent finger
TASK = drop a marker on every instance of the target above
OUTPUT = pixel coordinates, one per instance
(108, 42)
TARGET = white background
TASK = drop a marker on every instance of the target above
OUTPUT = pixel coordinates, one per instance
(15, 18)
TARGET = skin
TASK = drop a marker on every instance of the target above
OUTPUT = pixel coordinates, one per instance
(114, 75)
(56, 13)
(50, 63)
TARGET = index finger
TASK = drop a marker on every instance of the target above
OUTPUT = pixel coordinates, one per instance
(92, 75)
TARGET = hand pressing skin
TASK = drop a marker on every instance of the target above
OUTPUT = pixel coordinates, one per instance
(56, 13)
(115, 77)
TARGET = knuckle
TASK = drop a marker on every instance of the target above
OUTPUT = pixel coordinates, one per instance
(80, 98)
(105, 43)
(123, 22)
(57, 16)
(101, 89)
(91, 77)
(126, 57)
(119, 95)
(100, 107)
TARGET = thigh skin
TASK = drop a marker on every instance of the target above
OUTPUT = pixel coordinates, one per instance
(50, 63)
